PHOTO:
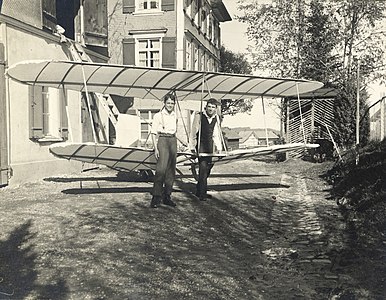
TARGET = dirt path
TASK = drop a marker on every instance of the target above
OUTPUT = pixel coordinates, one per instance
(268, 233)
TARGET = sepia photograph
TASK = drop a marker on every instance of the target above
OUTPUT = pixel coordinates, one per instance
(192, 149)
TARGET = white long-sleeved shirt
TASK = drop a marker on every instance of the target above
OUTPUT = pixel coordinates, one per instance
(164, 122)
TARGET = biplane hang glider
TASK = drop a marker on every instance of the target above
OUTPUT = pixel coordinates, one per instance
(153, 83)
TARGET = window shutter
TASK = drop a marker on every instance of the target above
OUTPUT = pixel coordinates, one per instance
(49, 14)
(36, 112)
(128, 6)
(169, 52)
(95, 15)
(63, 115)
(167, 5)
(129, 52)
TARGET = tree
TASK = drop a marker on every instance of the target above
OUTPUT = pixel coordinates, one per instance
(320, 40)
(235, 63)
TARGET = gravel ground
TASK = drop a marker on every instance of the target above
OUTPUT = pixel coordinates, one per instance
(269, 232)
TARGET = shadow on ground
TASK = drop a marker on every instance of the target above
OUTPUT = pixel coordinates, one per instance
(18, 272)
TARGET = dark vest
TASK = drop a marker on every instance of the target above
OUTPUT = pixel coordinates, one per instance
(206, 143)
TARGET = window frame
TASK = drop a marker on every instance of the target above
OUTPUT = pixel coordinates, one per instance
(150, 10)
(148, 122)
(141, 37)
(149, 52)
(188, 54)
(51, 116)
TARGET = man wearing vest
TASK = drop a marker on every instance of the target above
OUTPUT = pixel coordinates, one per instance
(205, 139)
(163, 133)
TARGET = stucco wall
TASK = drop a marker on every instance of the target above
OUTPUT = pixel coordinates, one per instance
(31, 160)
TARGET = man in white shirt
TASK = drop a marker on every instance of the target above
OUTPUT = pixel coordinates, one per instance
(205, 139)
(163, 133)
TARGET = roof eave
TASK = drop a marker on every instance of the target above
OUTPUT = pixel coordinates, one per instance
(220, 11)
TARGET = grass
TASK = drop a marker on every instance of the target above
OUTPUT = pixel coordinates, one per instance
(360, 190)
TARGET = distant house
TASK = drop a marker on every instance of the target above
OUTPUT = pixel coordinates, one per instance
(232, 138)
(250, 138)
(257, 137)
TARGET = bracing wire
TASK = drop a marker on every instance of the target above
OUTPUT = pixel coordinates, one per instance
(201, 114)
(217, 117)
(183, 122)
(88, 105)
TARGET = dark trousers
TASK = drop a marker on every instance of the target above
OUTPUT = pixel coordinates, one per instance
(205, 166)
(166, 166)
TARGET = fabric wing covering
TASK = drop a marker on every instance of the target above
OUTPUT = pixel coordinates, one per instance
(151, 83)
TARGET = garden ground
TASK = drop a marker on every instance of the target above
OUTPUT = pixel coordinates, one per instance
(271, 231)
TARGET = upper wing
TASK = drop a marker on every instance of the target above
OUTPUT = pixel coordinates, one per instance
(152, 83)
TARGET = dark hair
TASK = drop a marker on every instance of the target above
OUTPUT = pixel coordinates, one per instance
(212, 101)
(170, 96)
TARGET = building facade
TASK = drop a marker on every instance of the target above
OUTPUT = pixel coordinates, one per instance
(177, 34)
(32, 118)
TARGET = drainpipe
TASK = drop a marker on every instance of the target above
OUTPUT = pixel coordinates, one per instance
(4, 154)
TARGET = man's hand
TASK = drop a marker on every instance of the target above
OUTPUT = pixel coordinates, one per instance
(156, 153)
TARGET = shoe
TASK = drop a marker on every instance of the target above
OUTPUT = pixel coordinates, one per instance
(201, 198)
(168, 201)
(155, 201)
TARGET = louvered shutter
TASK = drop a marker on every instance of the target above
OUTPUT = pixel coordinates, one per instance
(49, 14)
(167, 5)
(36, 112)
(169, 52)
(95, 15)
(129, 52)
(128, 6)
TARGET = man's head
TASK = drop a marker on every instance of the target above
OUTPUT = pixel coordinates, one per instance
(211, 107)
(169, 102)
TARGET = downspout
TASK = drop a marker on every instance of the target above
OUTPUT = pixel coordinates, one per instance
(82, 33)
(180, 18)
(4, 136)
(7, 102)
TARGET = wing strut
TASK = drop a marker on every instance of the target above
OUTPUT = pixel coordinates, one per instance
(301, 115)
(265, 123)
(201, 104)
(183, 122)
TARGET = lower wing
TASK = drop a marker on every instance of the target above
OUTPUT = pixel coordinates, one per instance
(123, 159)
(127, 159)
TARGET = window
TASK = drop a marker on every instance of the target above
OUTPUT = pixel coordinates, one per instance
(210, 27)
(195, 58)
(149, 52)
(194, 10)
(148, 5)
(48, 119)
(146, 117)
(188, 55)
(216, 33)
(210, 64)
(202, 60)
(188, 7)
(203, 20)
